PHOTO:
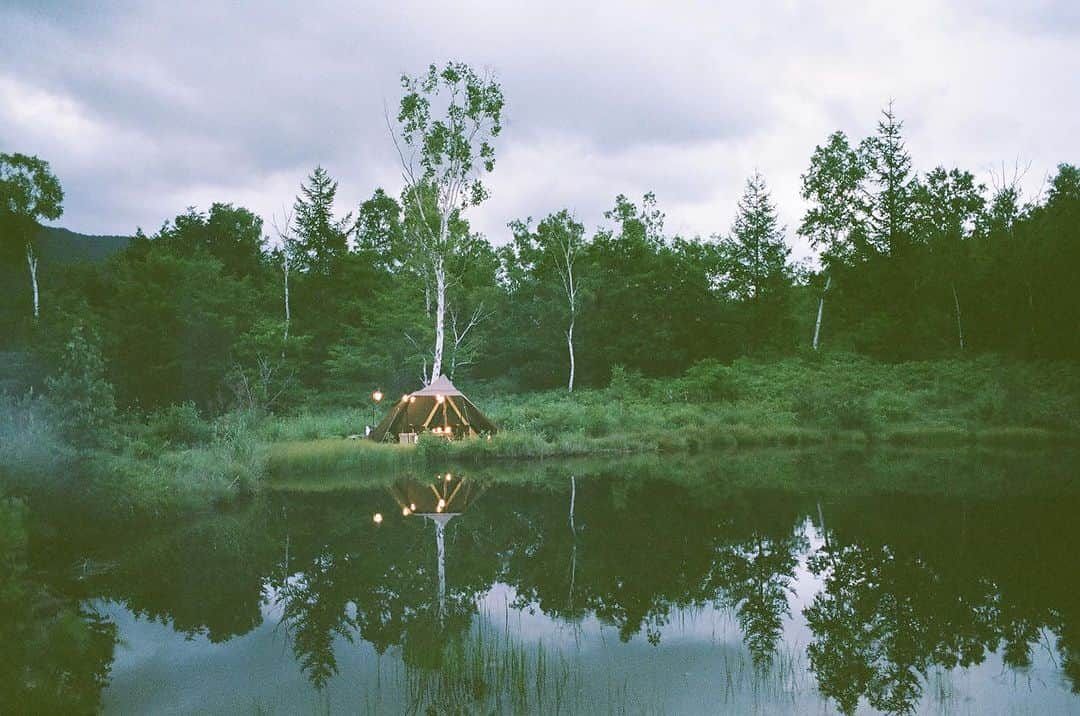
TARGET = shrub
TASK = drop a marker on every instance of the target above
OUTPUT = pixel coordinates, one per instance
(179, 425)
(710, 380)
(626, 383)
(83, 400)
(833, 409)
(433, 450)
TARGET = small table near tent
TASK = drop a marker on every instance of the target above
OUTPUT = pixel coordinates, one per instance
(439, 409)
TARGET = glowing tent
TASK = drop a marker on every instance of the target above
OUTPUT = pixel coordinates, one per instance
(439, 408)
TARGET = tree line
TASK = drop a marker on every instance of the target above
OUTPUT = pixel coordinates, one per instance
(218, 308)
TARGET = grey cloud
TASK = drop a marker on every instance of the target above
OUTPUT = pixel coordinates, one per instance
(203, 101)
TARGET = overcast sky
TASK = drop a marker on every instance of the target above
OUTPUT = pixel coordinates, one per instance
(145, 108)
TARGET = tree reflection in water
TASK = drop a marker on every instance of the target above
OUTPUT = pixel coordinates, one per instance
(908, 585)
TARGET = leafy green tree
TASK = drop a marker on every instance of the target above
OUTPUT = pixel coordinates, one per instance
(448, 118)
(658, 291)
(552, 255)
(232, 235)
(170, 325)
(379, 229)
(835, 221)
(946, 208)
(29, 192)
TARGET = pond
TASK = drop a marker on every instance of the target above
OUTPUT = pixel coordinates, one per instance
(763, 582)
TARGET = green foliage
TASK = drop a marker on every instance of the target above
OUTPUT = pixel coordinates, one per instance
(179, 426)
(433, 450)
(709, 379)
(55, 653)
(321, 239)
(453, 144)
(29, 192)
(81, 396)
(232, 235)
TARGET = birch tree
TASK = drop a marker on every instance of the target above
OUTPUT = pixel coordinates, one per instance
(835, 222)
(447, 120)
(947, 205)
(29, 192)
(554, 250)
(283, 257)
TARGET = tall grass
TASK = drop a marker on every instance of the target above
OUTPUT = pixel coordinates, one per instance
(838, 399)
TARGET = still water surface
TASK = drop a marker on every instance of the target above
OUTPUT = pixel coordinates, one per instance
(893, 583)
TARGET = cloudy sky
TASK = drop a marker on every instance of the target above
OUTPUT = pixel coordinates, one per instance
(145, 108)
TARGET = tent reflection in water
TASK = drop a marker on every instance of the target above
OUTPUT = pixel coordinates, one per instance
(439, 408)
(439, 501)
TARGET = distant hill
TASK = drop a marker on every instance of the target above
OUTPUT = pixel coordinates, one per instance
(56, 246)
(66, 246)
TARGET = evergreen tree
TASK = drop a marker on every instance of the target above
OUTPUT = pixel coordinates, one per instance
(756, 251)
(321, 240)
(888, 171)
(755, 258)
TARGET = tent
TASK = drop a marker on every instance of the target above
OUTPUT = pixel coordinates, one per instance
(438, 408)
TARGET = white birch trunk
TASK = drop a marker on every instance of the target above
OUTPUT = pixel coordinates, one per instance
(820, 311)
(440, 317)
(32, 262)
(959, 324)
(570, 347)
(285, 271)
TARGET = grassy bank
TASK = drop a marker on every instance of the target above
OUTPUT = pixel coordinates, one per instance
(168, 464)
(175, 461)
(838, 399)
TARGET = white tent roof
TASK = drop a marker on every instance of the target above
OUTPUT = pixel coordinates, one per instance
(439, 386)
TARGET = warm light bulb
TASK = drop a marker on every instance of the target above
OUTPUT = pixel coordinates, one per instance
(439, 398)
(412, 506)
(377, 396)
(405, 511)
(448, 477)
(377, 518)
(442, 503)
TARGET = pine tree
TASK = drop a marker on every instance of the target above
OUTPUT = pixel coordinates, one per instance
(888, 168)
(320, 239)
(756, 261)
(756, 253)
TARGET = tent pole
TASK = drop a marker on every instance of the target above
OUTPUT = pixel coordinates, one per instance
(431, 415)
(458, 412)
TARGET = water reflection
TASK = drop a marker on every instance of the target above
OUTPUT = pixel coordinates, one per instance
(861, 597)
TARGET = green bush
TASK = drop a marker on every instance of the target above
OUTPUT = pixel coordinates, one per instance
(830, 408)
(83, 400)
(626, 383)
(433, 450)
(709, 380)
(179, 425)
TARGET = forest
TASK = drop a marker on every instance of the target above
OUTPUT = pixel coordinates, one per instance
(222, 322)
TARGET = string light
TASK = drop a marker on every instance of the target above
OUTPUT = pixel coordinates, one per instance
(377, 518)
